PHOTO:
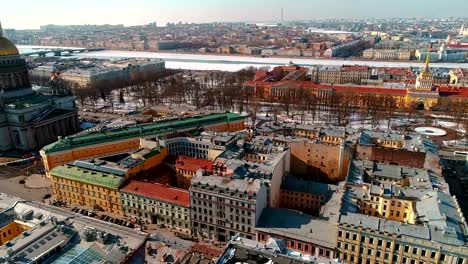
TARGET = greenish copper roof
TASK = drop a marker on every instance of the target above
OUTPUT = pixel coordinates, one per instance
(146, 130)
(86, 176)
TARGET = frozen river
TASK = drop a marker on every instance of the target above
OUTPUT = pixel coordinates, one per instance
(235, 63)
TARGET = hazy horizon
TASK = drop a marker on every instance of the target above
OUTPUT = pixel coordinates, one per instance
(30, 14)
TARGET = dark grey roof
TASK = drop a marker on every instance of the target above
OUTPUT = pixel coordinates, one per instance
(291, 223)
(100, 167)
(291, 183)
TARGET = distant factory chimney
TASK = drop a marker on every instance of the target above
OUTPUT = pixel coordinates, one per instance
(282, 15)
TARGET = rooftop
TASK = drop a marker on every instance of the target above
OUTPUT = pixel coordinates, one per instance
(193, 164)
(297, 225)
(158, 192)
(154, 129)
(75, 173)
(247, 186)
(438, 215)
(291, 183)
(82, 239)
(241, 250)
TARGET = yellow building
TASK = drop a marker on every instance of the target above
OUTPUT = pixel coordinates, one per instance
(82, 187)
(126, 139)
(95, 183)
(389, 207)
(397, 214)
(11, 229)
(423, 96)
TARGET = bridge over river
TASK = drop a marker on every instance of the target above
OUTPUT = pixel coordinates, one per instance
(59, 51)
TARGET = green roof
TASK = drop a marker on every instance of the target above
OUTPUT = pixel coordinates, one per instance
(145, 130)
(107, 180)
(152, 153)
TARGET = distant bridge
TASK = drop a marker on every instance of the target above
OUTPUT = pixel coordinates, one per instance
(59, 52)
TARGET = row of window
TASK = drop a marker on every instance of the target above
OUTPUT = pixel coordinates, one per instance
(384, 245)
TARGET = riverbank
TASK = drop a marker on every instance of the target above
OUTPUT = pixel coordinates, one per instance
(190, 61)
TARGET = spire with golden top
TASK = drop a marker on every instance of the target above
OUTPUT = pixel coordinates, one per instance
(424, 80)
(428, 58)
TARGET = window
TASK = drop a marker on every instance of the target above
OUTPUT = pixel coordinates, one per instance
(397, 247)
(406, 249)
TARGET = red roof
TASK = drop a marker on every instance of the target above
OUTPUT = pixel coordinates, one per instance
(458, 46)
(355, 68)
(206, 250)
(397, 71)
(453, 91)
(193, 164)
(158, 192)
(336, 87)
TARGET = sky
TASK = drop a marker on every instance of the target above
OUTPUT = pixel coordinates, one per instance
(30, 14)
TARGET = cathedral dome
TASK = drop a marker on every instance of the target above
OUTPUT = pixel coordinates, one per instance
(7, 48)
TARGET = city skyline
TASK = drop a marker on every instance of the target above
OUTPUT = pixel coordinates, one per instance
(35, 14)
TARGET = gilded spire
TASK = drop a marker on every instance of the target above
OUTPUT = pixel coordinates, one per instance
(428, 57)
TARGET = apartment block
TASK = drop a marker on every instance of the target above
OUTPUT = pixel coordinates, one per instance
(341, 75)
(399, 214)
(95, 182)
(154, 203)
(222, 207)
(187, 167)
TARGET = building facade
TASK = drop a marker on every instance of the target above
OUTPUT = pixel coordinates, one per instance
(387, 54)
(187, 167)
(128, 138)
(30, 119)
(95, 183)
(222, 207)
(341, 75)
(154, 203)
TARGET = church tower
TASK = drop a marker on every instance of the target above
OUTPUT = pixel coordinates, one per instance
(424, 80)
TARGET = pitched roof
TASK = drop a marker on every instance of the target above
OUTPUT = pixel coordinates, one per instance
(106, 180)
(193, 164)
(158, 192)
(296, 225)
(152, 129)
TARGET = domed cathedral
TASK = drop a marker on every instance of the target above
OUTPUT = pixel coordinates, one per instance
(423, 95)
(29, 119)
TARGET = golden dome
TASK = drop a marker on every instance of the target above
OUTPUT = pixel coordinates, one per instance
(7, 48)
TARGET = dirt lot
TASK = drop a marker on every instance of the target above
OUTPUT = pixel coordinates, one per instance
(11, 186)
